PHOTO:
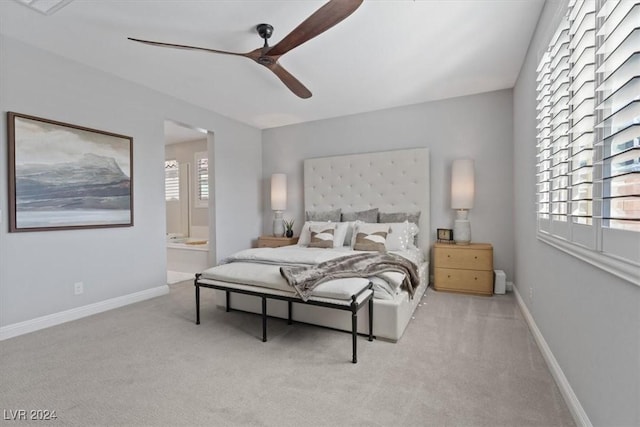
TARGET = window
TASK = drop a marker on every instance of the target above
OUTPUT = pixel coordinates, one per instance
(588, 135)
(618, 112)
(171, 180)
(202, 179)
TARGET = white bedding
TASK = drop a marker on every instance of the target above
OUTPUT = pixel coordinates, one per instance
(261, 267)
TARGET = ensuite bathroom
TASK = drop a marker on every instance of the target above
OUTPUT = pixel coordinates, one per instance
(187, 201)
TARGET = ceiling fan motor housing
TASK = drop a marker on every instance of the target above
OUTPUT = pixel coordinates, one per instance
(264, 31)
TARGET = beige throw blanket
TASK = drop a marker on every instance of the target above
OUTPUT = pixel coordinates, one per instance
(305, 278)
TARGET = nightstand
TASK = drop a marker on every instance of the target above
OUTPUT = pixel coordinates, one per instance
(276, 242)
(463, 268)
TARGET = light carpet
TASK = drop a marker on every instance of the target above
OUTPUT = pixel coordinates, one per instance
(463, 361)
(178, 276)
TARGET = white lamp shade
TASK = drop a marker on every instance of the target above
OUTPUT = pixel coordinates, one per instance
(278, 192)
(462, 184)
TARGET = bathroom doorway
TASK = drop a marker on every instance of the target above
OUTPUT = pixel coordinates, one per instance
(187, 201)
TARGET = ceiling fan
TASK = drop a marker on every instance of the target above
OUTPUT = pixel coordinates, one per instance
(321, 20)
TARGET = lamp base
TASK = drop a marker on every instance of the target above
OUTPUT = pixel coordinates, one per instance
(462, 228)
(278, 224)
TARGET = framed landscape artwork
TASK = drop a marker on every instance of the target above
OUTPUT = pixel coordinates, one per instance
(63, 176)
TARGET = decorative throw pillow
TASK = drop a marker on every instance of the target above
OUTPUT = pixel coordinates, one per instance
(413, 217)
(367, 228)
(333, 216)
(369, 237)
(370, 215)
(323, 238)
(370, 242)
(338, 235)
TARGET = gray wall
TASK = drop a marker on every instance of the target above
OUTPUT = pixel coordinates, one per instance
(38, 269)
(590, 319)
(478, 126)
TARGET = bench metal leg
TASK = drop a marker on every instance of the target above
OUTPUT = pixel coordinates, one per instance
(290, 321)
(228, 300)
(197, 304)
(264, 319)
(354, 336)
(371, 318)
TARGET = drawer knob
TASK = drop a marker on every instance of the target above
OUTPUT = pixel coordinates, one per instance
(475, 278)
(476, 257)
(448, 256)
(448, 276)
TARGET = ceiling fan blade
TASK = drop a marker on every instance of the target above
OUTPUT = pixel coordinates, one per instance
(320, 21)
(181, 46)
(291, 82)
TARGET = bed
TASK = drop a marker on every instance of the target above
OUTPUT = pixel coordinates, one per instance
(393, 186)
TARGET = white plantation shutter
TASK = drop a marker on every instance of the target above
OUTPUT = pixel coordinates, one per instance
(560, 125)
(202, 178)
(171, 180)
(544, 138)
(618, 113)
(582, 34)
(553, 126)
(588, 135)
(582, 18)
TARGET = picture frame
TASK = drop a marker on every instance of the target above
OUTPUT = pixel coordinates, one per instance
(63, 176)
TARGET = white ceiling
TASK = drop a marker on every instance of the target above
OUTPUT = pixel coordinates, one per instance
(388, 53)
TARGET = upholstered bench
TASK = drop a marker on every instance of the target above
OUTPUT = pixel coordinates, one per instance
(343, 294)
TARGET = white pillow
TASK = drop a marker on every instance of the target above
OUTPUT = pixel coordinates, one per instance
(413, 231)
(340, 234)
(340, 230)
(349, 232)
(406, 234)
(398, 237)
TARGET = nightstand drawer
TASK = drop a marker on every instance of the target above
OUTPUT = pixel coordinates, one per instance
(471, 281)
(276, 242)
(468, 259)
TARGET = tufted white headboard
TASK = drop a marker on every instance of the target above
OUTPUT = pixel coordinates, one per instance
(392, 181)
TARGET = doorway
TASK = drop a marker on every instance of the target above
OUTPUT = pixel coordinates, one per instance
(187, 201)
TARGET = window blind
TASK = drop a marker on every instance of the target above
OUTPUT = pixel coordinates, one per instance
(560, 124)
(171, 180)
(618, 112)
(202, 166)
(553, 126)
(582, 77)
(544, 137)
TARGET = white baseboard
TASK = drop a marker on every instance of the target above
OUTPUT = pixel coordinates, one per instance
(577, 411)
(49, 320)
